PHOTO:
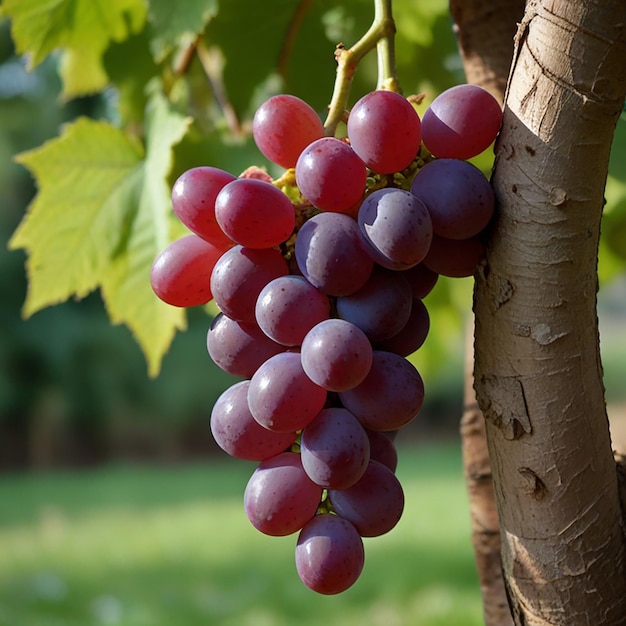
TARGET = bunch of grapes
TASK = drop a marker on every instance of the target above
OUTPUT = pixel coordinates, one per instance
(319, 278)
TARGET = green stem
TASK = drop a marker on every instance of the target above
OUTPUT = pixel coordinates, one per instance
(380, 35)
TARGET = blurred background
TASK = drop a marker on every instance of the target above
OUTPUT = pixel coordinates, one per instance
(116, 506)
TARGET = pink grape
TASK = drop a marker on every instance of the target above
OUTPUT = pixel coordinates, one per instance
(389, 397)
(281, 396)
(458, 197)
(239, 348)
(455, 258)
(385, 131)
(335, 449)
(237, 433)
(283, 127)
(336, 355)
(288, 307)
(329, 554)
(330, 175)
(331, 254)
(397, 227)
(254, 213)
(374, 504)
(193, 201)
(239, 276)
(280, 498)
(461, 122)
(181, 273)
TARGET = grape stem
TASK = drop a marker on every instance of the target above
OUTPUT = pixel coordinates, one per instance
(380, 35)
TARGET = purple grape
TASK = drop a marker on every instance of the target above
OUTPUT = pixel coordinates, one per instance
(280, 498)
(397, 227)
(413, 335)
(382, 448)
(281, 396)
(385, 131)
(335, 449)
(239, 348)
(329, 554)
(374, 504)
(389, 397)
(336, 355)
(459, 198)
(381, 308)
(421, 279)
(330, 175)
(461, 122)
(332, 255)
(240, 275)
(456, 258)
(288, 307)
(237, 433)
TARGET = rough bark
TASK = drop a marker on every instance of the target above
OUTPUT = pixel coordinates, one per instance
(485, 30)
(538, 374)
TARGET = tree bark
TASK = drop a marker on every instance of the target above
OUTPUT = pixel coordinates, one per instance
(538, 375)
(485, 30)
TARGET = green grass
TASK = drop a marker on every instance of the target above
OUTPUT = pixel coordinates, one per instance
(140, 546)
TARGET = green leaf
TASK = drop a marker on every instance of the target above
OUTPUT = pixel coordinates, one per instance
(177, 22)
(82, 28)
(101, 215)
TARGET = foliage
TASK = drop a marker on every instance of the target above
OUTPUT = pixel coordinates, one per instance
(181, 83)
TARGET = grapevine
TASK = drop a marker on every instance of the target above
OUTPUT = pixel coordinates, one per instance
(319, 277)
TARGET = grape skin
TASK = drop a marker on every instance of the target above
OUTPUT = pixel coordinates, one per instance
(240, 275)
(336, 355)
(330, 175)
(374, 504)
(280, 498)
(382, 448)
(181, 273)
(254, 213)
(455, 258)
(331, 254)
(281, 396)
(335, 449)
(237, 433)
(239, 348)
(413, 335)
(329, 554)
(283, 126)
(397, 227)
(385, 131)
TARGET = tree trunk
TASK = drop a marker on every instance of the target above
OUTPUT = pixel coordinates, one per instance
(538, 375)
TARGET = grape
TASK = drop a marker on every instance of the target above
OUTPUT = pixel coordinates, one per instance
(193, 201)
(181, 273)
(381, 308)
(238, 433)
(281, 396)
(389, 397)
(288, 307)
(374, 504)
(336, 355)
(330, 175)
(459, 198)
(329, 554)
(382, 448)
(335, 449)
(240, 275)
(461, 122)
(239, 348)
(254, 213)
(396, 226)
(413, 335)
(421, 280)
(331, 254)
(283, 127)
(280, 498)
(455, 258)
(385, 131)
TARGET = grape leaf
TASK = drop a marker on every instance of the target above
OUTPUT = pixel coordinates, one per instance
(82, 28)
(101, 215)
(174, 22)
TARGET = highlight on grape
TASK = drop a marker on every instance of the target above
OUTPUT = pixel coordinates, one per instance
(319, 277)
